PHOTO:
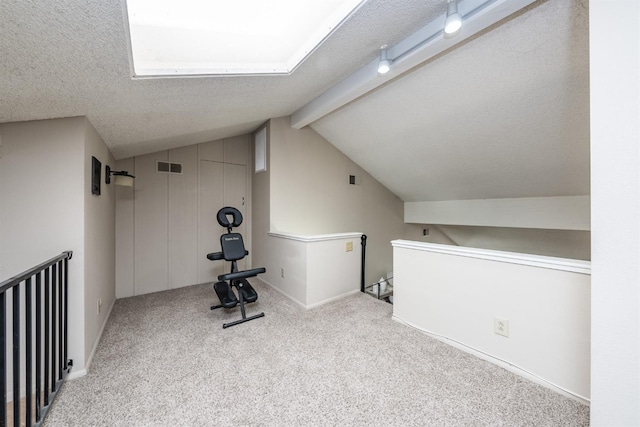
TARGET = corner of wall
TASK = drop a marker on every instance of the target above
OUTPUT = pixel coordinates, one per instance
(99, 241)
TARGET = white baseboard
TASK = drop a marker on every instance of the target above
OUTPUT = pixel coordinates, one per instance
(328, 300)
(314, 305)
(500, 362)
(77, 374)
(284, 293)
(82, 372)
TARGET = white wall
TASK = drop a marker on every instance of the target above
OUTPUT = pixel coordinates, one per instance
(99, 244)
(46, 208)
(614, 32)
(42, 181)
(454, 293)
(332, 271)
(291, 255)
(313, 270)
(573, 244)
(309, 193)
(263, 249)
(552, 226)
(550, 213)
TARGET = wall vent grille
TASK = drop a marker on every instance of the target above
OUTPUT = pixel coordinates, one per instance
(168, 167)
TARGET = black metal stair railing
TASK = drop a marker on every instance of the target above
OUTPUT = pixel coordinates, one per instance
(34, 340)
(363, 242)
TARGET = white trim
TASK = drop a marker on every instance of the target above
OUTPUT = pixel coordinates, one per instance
(316, 237)
(77, 374)
(87, 365)
(332, 299)
(499, 362)
(562, 264)
(317, 304)
(285, 294)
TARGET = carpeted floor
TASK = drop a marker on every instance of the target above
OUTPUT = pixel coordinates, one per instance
(164, 360)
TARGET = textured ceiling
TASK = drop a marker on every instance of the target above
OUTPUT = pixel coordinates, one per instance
(70, 58)
(503, 115)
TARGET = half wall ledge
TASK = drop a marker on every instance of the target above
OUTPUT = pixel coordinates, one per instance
(313, 270)
(529, 314)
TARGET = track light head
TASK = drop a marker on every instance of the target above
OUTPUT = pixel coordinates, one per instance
(384, 65)
(453, 22)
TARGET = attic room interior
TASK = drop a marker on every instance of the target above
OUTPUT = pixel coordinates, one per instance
(485, 179)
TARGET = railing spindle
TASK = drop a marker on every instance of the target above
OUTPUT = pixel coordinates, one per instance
(16, 355)
(60, 323)
(3, 358)
(28, 350)
(47, 282)
(54, 279)
(66, 311)
(38, 344)
(49, 319)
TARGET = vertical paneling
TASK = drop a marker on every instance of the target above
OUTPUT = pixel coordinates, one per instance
(210, 201)
(183, 218)
(167, 225)
(235, 194)
(236, 149)
(212, 151)
(151, 221)
(124, 233)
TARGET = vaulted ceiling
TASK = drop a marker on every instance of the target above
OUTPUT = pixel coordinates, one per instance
(504, 114)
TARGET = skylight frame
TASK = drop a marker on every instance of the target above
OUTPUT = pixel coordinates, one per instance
(312, 41)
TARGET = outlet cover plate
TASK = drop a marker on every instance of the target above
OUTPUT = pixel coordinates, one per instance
(501, 326)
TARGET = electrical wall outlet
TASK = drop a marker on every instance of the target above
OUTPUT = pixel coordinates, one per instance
(282, 272)
(99, 306)
(349, 247)
(425, 231)
(501, 326)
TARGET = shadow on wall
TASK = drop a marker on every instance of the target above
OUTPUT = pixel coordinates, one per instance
(557, 243)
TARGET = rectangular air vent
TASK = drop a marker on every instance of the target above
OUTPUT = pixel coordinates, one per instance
(168, 167)
(176, 168)
(163, 166)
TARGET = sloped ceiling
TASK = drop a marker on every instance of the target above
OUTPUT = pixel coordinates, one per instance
(504, 114)
(70, 58)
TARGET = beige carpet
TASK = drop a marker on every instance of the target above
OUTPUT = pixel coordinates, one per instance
(164, 360)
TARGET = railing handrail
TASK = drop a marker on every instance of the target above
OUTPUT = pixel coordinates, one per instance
(16, 280)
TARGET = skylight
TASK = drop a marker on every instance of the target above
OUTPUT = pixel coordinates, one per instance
(204, 37)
